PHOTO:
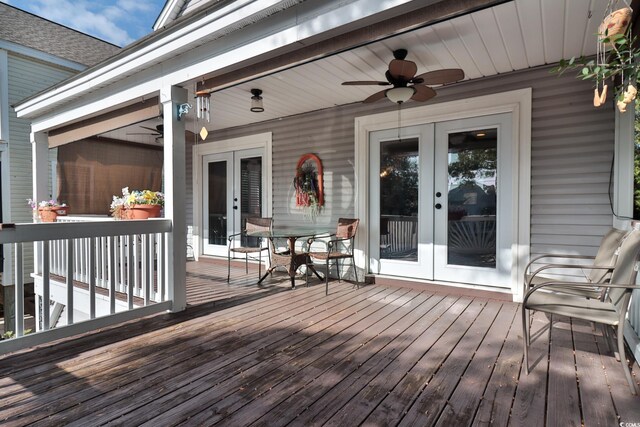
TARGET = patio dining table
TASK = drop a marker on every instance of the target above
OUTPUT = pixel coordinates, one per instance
(290, 259)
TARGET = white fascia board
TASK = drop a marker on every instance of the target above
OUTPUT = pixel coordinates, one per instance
(169, 7)
(41, 56)
(128, 64)
(171, 44)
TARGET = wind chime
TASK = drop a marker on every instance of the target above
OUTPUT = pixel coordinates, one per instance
(203, 104)
(616, 21)
(203, 110)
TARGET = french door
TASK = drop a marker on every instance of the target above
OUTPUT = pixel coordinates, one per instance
(232, 191)
(440, 201)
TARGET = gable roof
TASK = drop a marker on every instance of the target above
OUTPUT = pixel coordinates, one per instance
(174, 9)
(26, 29)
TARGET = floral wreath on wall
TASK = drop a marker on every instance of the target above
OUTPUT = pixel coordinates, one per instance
(308, 184)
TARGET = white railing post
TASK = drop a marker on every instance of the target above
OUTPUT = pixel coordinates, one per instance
(132, 271)
(92, 277)
(19, 299)
(112, 271)
(69, 276)
(46, 286)
(175, 190)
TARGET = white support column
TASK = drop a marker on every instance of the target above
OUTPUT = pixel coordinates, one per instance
(5, 172)
(40, 162)
(623, 168)
(175, 189)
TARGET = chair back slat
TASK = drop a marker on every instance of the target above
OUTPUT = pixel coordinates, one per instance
(257, 224)
(607, 254)
(347, 228)
(625, 271)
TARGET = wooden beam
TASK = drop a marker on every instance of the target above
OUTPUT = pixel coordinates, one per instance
(116, 119)
(315, 48)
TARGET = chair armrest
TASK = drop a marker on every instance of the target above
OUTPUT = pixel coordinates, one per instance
(310, 240)
(539, 257)
(231, 236)
(577, 284)
(333, 242)
(566, 266)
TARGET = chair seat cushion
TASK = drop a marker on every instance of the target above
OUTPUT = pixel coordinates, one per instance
(585, 291)
(245, 250)
(573, 306)
(329, 255)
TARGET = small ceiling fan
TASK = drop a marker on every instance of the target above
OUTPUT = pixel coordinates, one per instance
(158, 132)
(401, 74)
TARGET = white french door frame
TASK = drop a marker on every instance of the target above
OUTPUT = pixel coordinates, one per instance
(262, 140)
(516, 102)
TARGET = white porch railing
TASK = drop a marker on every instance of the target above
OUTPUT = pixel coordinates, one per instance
(116, 265)
(131, 251)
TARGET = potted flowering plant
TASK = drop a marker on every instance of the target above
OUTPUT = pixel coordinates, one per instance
(48, 210)
(137, 204)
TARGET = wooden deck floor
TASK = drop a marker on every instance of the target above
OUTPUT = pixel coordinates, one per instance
(374, 356)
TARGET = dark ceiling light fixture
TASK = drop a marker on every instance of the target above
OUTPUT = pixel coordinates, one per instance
(256, 101)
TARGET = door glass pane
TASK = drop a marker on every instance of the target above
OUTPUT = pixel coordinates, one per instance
(472, 198)
(399, 199)
(250, 193)
(217, 203)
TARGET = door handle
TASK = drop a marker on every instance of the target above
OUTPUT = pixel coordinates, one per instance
(235, 207)
(438, 206)
(438, 194)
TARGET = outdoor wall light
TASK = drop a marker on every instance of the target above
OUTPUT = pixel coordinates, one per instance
(400, 94)
(256, 101)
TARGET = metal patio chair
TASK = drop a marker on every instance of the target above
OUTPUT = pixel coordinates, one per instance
(596, 269)
(610, 311)
(340, 246)
(249, 244)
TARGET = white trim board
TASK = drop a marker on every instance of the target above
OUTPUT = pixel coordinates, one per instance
(147, 75)
(260, 140)
(41, 56)
(517, 102)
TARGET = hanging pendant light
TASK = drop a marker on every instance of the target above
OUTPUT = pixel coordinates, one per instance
(256, 101)
(203, 105)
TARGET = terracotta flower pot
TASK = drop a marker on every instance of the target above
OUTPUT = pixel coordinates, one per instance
(48, 214)
(143, 211)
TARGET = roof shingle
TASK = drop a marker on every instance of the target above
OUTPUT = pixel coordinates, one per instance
(26, 29)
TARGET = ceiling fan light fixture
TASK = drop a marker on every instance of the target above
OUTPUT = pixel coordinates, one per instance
(400, 94)
(256, 101)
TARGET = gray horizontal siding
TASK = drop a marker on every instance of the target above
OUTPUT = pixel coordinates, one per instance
(26, 77)
(572, 148)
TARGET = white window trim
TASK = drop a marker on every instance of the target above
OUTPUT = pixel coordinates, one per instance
(261, 140)
(517, 102)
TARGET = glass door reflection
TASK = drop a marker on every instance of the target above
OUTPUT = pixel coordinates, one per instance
(472, 198)
(399, 162)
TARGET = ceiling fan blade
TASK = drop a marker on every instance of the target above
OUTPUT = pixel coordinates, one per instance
(438, 77)
(356, 83)
(142, 133)
(376, 96)
(151, 129)
(401, 69)
(423, 93)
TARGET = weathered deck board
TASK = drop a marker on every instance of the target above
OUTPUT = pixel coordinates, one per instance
(565, 410)
(531, 393)
(272, 356)
(496, 402)
(598, 409)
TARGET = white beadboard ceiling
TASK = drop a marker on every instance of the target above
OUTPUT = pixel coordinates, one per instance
(512, 36)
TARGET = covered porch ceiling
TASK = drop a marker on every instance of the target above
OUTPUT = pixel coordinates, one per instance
(512, 36)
